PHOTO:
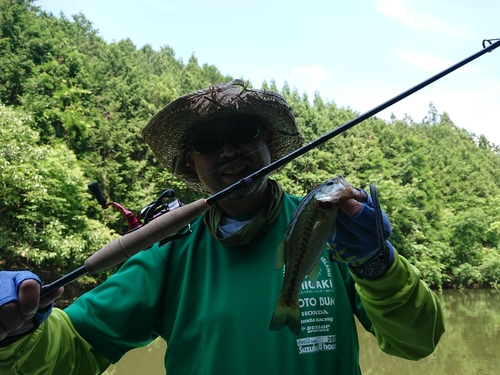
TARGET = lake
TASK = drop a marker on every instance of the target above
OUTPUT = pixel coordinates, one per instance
(470, 346)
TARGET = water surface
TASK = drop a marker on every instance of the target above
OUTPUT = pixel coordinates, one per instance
(470, 346)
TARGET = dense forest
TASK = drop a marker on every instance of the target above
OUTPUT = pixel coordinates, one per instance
(72, 105)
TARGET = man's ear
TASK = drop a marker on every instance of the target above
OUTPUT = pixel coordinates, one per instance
(190, 160)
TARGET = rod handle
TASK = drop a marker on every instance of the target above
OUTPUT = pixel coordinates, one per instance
(144, 237)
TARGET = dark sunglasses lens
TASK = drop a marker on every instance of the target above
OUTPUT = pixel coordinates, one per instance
(244, 133)
(209, 144)
(212, 143)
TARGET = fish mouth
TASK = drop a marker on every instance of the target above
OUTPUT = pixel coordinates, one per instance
(328, 201)
(328, 198)
(326, 204)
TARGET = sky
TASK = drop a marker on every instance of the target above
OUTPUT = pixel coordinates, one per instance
(357, 53)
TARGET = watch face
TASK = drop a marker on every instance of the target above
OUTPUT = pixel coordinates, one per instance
(371, 271)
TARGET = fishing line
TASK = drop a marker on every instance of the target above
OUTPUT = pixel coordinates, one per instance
(275, 141)
(243, 156)
(324, 138)
(405, 167)
(166, 225)
(430, 149)
(488, 109)
(427, 151)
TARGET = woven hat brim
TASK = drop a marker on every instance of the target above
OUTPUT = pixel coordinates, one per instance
(166, 132)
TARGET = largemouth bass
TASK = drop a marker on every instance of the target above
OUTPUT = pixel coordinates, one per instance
(312, 222)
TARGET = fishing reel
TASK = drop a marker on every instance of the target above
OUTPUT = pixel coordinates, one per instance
(165, 202)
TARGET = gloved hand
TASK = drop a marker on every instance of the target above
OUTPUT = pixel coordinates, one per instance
(21, 311)
(356, 240)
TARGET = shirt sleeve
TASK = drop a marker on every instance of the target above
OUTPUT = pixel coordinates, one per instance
(54, 348)
(406, 315)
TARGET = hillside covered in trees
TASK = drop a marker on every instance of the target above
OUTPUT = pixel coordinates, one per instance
(72, 105)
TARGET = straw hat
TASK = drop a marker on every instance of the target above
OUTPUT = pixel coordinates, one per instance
(167, 131)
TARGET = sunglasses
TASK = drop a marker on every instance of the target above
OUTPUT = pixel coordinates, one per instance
(211, 143)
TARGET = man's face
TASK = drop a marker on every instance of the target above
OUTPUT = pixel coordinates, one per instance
(243, 151)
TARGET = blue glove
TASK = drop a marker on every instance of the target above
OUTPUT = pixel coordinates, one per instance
(9, 288)
(356, 240)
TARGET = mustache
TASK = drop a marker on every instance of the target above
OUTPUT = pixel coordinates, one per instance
(228, 161)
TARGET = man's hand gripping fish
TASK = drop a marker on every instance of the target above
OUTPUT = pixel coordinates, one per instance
(312, 222)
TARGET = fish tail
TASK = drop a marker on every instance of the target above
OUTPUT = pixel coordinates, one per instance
(286, 315)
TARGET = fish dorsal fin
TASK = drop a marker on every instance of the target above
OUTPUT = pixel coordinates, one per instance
(279, 258)
(313, 274)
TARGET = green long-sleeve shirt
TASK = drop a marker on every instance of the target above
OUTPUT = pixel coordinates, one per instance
(213, 304)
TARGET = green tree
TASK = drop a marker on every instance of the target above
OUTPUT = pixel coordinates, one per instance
(88, 100)
(43, 203)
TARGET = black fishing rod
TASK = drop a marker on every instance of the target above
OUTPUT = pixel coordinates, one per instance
(172, 222)
(346, 126)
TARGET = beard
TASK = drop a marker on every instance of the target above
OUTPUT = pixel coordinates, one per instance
(241, 192)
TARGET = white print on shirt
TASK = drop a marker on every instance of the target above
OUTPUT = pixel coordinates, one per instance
(316, 344)
(317, 304)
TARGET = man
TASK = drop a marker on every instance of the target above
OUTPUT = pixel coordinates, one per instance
(211, 295)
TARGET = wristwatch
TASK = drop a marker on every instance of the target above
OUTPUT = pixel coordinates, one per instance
(374, 269)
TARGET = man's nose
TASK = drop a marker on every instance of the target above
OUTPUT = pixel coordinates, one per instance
(229, 149)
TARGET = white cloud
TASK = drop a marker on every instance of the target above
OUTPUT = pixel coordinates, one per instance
(397, 9)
